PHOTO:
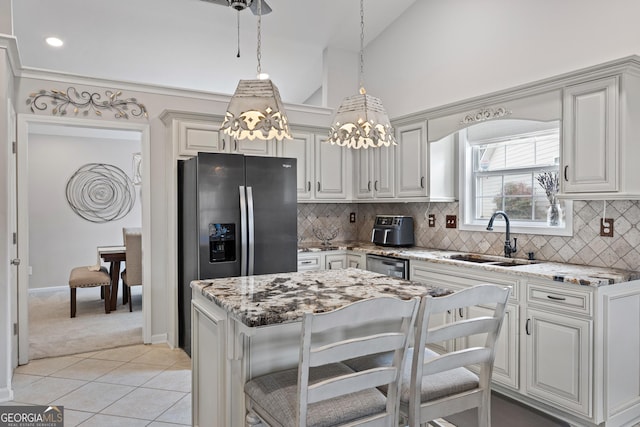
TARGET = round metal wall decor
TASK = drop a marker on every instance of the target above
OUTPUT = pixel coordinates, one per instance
(100, 193)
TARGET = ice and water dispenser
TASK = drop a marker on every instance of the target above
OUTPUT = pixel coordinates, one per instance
(222, 242)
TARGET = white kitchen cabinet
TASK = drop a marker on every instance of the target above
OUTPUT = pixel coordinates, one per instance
(335, 261)
(599, 144)
(374, 173)
(412, 160)
(310, 261)
(425, 170)
(330, 170)
(356, 260)
(323, 170)
(559, 365)
(591, 136)
(506, 365)
(301, 147)
(208, 358)
(331, 260)
(256, 147)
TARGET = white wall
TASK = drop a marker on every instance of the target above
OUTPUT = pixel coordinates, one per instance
(59, 239)
(443, 51)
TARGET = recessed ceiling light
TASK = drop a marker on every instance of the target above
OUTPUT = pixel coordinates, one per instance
(54, 41)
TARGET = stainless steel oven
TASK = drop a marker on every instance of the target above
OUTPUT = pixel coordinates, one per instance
(390, 266)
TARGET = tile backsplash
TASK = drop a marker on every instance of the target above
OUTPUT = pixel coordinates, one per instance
(585, 247)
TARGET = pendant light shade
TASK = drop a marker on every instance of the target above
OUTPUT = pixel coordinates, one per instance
(361, 121)
(255, 111)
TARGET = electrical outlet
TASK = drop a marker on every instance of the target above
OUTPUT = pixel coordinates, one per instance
(352, 217)
(451, 221)
(606, 227)
(432, 220)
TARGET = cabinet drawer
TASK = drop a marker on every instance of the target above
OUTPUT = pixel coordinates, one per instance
(574, 301)
(309, 262)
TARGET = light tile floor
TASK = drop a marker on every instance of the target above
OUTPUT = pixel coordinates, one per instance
(140, 385)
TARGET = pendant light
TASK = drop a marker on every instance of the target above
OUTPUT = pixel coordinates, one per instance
(255, 111)
(361, 121)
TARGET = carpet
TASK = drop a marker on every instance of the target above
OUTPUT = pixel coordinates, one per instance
(53, 333)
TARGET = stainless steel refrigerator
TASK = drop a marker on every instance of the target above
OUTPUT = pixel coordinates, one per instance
(237, 216)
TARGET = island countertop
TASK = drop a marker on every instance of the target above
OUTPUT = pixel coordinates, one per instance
(284, 297)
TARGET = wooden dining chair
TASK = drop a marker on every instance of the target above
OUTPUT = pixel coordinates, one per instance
(322, 391)
(437, 385)
(132, 275)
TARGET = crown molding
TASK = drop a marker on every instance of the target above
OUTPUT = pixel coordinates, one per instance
(10, 44)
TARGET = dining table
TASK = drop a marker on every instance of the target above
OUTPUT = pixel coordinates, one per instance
(114, 255)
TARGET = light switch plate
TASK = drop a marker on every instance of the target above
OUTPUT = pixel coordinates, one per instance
(451, 221)
(606, 227)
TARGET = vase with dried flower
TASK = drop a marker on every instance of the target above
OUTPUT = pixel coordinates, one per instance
(549, 182)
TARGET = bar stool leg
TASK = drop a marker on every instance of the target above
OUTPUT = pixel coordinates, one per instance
(73, 302)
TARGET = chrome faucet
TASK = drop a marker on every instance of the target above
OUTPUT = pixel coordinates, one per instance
(508, 250)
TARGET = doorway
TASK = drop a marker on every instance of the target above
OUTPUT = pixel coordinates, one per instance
(30, 129)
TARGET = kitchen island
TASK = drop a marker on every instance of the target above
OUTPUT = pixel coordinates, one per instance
(244, 327)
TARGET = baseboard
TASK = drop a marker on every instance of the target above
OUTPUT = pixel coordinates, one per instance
(160, 339)
(6, 394)
(48, 289)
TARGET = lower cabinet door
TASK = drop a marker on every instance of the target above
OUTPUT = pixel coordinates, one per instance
(506, 365)
(558, 360)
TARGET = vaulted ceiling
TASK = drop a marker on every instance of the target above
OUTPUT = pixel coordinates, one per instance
(192, 44)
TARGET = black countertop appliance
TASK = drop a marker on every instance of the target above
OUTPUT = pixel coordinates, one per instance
(392, 230)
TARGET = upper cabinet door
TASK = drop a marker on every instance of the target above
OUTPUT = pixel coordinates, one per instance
(363, 174)
(384, 171)
(331, 170)
(300, 148)
(256, 147)
(411, 161)
(195, 136)
(590, 136)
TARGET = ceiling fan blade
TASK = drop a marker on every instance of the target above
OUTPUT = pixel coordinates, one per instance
(219, 2)
(254, 7)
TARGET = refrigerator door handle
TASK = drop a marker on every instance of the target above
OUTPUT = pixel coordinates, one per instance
(243, 231)
(251, 231)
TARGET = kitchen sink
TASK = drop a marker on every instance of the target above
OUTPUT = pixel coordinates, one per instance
(491, 260)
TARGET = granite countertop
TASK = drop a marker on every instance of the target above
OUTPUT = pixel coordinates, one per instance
(560, 272)
(284, 297)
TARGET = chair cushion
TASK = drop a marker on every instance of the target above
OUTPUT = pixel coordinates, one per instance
(83, 277)
(277, 394)
(434, 386)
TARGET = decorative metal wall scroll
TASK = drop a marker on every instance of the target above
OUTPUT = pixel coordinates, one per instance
(86, 101)
(485, 114)
(100, 193)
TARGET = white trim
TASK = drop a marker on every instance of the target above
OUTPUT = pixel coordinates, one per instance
(76, 79)
(10, 44)
(6, 395)
(48, 289)
(24, 122)
(465, 224)
(160, 339)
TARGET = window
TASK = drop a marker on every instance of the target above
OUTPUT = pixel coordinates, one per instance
(502, 162)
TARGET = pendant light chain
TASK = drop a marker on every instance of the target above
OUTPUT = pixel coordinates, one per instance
(259, 49)
(362, 46)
